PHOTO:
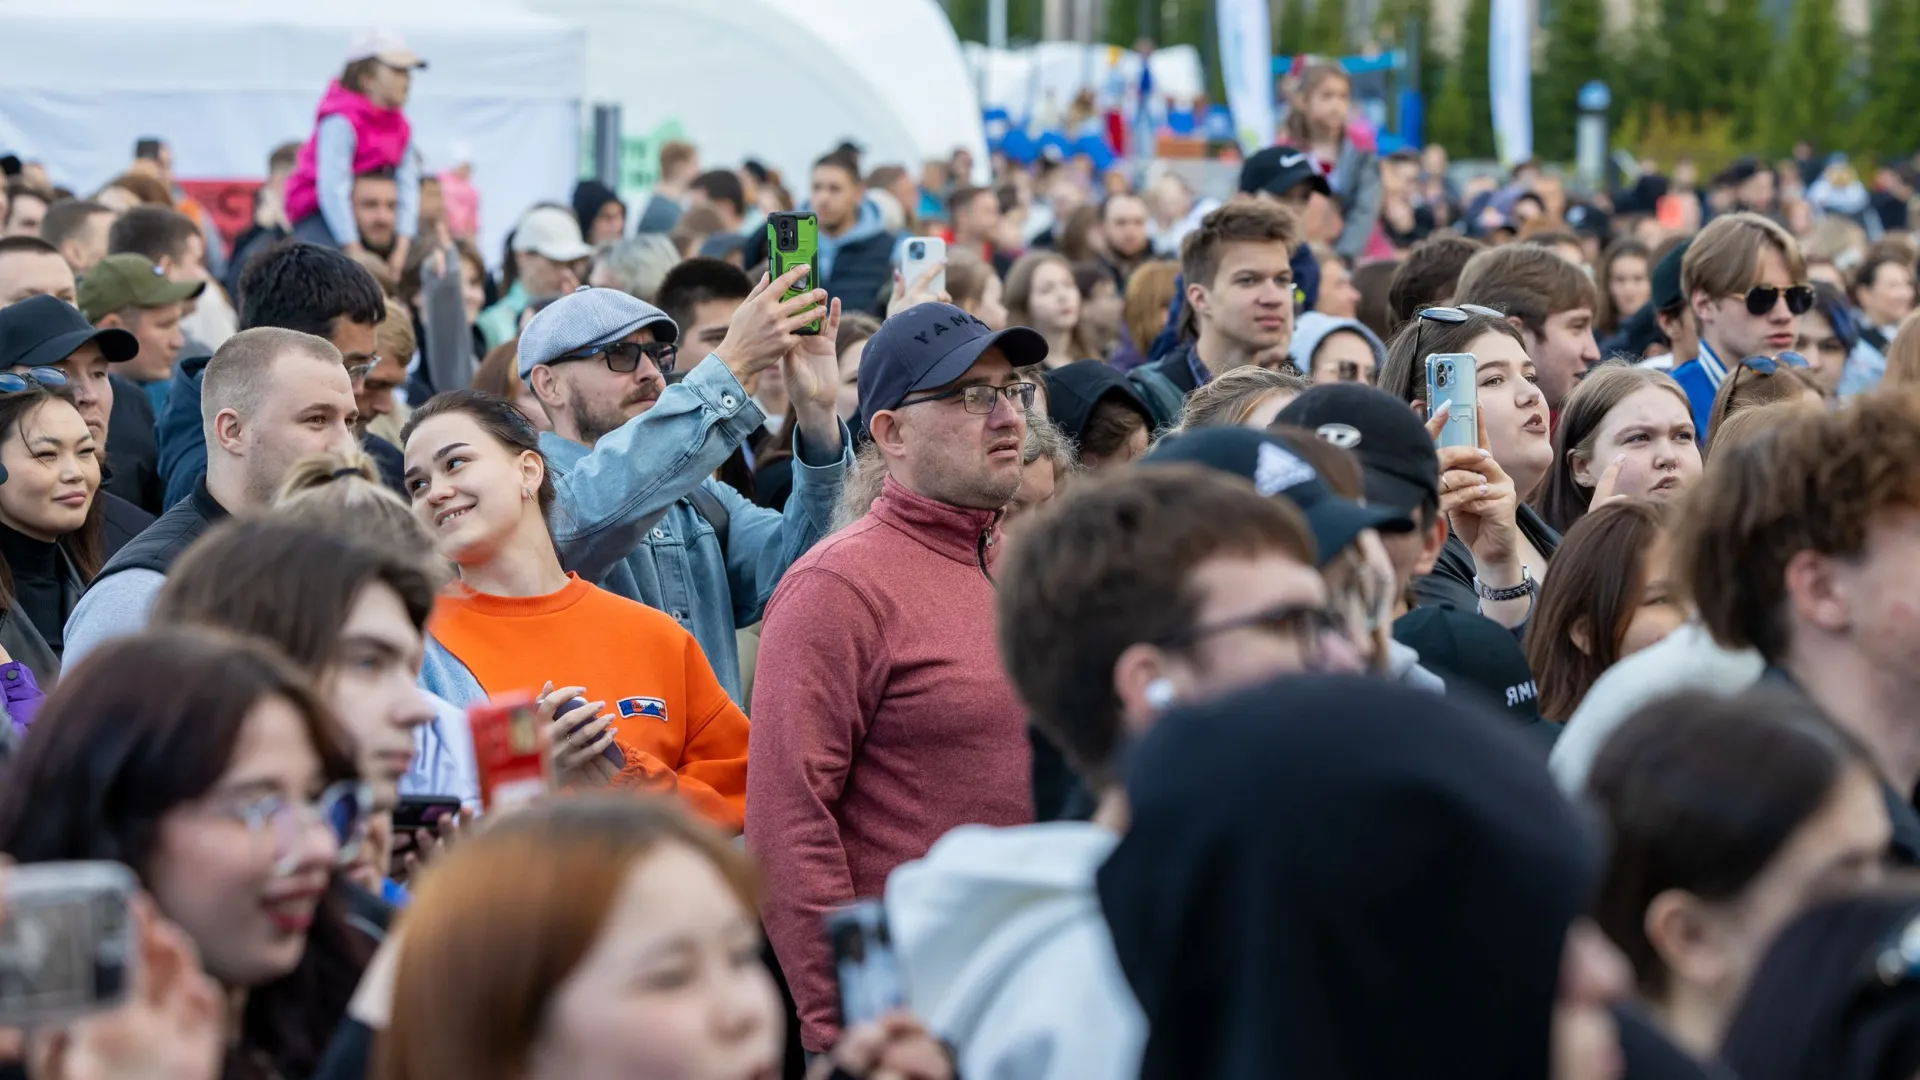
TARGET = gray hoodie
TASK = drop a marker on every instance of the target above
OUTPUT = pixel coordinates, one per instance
(1312, 328)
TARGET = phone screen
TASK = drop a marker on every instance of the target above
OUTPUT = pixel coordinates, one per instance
(868, 970)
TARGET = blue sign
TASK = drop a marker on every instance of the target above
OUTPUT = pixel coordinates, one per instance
(1594, 97)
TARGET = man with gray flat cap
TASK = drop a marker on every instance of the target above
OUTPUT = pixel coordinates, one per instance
(632, 456)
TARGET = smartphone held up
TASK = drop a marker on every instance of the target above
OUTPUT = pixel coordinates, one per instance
(68, 941)
(1451, 382)
(864, 963)
(793, 238)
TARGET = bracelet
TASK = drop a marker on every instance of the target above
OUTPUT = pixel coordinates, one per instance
(1488, 594)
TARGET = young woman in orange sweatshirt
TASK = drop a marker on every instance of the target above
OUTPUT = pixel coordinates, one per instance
(514, 621)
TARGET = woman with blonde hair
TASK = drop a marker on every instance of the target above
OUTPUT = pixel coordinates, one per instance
(1244, 397)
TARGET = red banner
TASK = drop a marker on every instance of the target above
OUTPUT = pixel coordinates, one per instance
(228, 202)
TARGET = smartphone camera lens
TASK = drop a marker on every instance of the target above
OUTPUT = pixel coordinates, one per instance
(1443, 378)
(917, 250)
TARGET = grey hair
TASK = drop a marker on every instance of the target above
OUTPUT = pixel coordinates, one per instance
(638, 265)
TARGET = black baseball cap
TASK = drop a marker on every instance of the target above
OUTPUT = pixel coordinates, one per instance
(1074, 390)
(1279, 169)
(928, 346)
(1402, 470)
(1475, 656)
(1276, 470)
(41, 331)
(1665, 279)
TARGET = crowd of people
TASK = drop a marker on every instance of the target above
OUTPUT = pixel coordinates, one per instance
(1099, 603)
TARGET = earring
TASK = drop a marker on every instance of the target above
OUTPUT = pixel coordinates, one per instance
(1160, 694)
(526, 493)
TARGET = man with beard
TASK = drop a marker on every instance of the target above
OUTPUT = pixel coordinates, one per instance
(631, 456)
(882, 715)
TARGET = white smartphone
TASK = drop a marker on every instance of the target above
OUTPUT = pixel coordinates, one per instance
(67, 942)
(924, 253)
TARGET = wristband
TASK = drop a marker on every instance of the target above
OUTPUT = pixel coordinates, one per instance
(1488, 594)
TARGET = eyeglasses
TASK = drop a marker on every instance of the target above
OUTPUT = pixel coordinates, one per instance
(1769, 365)
(1305, 623)
(358, 372)
(13, 383)
(623, 357)
(343, 809)
(980, 399)
(1761, 298)
(1452, 316)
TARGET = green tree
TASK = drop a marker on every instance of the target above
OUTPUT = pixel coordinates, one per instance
(1462, 117)
(1408, 24)
(1890, 121)
(1575, 53)
(1809, 92)
(1743, 41)
(1296, 28)
(1330, 27)
(1685, 31)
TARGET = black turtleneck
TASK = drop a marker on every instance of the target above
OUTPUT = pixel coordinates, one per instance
(40, 586)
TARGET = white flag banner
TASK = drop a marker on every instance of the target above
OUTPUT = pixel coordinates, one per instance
(1510, 80)
(1246, 68)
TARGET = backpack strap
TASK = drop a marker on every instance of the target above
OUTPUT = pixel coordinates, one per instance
(708, 505)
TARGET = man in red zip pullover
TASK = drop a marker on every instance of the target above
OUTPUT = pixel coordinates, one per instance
(881, 715)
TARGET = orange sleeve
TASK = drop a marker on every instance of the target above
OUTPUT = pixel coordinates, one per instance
(715, 758)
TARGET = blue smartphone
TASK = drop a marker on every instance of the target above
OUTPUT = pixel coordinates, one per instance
(1450, 380)
(612, 752)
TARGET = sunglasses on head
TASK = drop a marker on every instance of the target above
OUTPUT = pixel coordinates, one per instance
(1452, 316)
(1761, 298)
(1770, 365)
(13, 383)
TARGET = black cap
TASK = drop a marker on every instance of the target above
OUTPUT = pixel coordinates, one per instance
(1475, 656)
(1279, 169)
(41, 331)
(1402, 470)
(1277, 470)
(928, 346)
(1665, 279)
(1074, 390)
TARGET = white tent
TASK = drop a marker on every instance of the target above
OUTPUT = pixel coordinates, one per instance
(784, 81)
(225, 81)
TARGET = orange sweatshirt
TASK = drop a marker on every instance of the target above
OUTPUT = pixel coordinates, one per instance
(675, 724)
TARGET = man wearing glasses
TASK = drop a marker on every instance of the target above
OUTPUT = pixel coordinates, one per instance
(881, 715)
(1747, 283)
(632, 457)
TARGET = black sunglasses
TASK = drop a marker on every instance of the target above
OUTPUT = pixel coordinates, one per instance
(1761, 298)
(1769, 365)
(623, 357)
(12, 383)
(1452, 316)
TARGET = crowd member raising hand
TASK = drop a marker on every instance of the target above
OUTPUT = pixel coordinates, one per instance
(1627, 432)
(515, 622)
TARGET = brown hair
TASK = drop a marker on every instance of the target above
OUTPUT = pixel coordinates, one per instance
(356, 74)
(1109, 564)
(1750, 424)
(1879, 255)
(1562, 499)
(150, 190)
(1242, 221)
(1599, 578)
(538, 887)
(1744, 388)
(1020, 295)
(1075, 235)
(1605, 319)
(1816, 484)
(1429, 275)
(675, 155)
(497, 417)
(1312, 77)
(499, 370)
(1724, 259)
(1150, 290)
(1527, 282)
(1230, 397)
(1374, 281)
(967, 278)
(1110, 423)
(1903, 354)
(1404, 375)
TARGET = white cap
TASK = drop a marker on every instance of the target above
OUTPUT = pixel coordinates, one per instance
(552, 232)
(385, 46)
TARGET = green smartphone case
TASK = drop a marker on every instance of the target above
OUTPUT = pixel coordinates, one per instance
(806, 232)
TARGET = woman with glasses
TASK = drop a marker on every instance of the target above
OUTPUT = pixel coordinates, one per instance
(1763, 380)
(207, 765)
(1497, 548)
(625, 690)
(1626, 432)
(1727, 816)
(49, 519)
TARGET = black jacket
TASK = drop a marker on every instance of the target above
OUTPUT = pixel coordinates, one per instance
(1451, 583)
(120, 522)
(163, 541)
(863, 273)
(133, 454)
(46, 586)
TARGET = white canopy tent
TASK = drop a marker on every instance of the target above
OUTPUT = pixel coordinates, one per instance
(784, 81)
(225, 81)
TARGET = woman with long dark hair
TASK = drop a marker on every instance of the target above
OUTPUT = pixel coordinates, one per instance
(1623, 431)
(49, 515)
(207, 765)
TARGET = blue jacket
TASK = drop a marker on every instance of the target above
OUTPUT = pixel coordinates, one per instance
(857, 268)
(183, 443)
(1701, 378)
(623, 519)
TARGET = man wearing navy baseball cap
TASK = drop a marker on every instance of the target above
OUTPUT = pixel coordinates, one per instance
(632, 457)
(882, 717)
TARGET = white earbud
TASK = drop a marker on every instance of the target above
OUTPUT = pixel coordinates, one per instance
(1160, 694)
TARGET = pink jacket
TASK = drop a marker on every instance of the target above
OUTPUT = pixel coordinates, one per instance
(380, 140)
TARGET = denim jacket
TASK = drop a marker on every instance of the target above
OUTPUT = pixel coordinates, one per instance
(623, 520)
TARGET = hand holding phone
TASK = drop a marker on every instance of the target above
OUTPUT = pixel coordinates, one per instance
(1451, 383)
(767, 325)
(69, 942)
(793, 240)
